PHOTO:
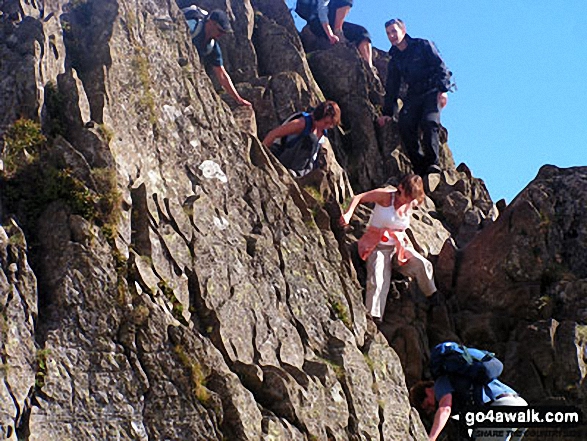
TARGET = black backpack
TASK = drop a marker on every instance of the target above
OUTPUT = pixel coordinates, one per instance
(299, 153)
(450, 358)
(306, 8)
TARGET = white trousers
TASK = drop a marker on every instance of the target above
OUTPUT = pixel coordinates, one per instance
(379, 265)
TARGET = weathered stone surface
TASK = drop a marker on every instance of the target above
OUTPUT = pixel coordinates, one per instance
(351, 91)
(462, 201)
(520, 286)
(278, 48)
(212, 300)
(19, 357)
(189, 288)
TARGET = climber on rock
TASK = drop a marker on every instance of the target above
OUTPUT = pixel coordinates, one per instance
(385, 242)
(328, 21)
(205, 29)
(459, 386)
(416, 63)
(299, 146)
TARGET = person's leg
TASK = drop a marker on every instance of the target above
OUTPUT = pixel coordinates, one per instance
(430, 124)
(408, 124)
(360, 36)
(366, 52)
(339, 18)
(378, 280)
(420, 269)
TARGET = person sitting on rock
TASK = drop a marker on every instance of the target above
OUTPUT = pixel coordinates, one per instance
(385, 241)
(451, 394)
(204, 32)
(416, 63)
(328, 21)
(299, 146)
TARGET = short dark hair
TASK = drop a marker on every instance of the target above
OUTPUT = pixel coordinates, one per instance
(397, 21)
(413, 187)
(220, 17)
(418, 393)
(325, 109)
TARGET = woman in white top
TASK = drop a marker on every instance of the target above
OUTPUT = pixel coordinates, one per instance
(385, 241)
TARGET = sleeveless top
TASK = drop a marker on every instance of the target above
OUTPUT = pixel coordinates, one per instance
(389, 218)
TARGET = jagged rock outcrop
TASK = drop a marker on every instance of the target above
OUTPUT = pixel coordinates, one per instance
(22, 366)
(187, 290)
(163, 277)
(523, 279)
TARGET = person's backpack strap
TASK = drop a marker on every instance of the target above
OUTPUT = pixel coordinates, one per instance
(298, 153)
(291, 140)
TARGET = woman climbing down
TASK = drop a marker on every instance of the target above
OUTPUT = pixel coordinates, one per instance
(385, 241)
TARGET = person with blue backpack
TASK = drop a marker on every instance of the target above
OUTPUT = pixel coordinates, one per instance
(296, 143)
(326, 19)
(464, 377)
(205, 28)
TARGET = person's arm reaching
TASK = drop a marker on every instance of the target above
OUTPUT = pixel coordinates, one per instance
(379, 196)
(226, 83)
(292, 127)
(441, 416)
(322, 10)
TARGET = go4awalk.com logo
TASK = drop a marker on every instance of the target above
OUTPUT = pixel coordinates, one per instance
(517, 420)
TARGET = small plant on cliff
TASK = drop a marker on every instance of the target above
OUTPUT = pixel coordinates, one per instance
(315, 194)
(197, 376)
(22, 142)
(176, 305)
(341, 312)
(106, 132)
(140, 63)
(41, 359)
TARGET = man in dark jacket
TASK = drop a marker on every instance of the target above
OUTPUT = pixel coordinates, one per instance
(416, 63)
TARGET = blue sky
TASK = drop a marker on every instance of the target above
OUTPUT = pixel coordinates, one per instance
(521, 71)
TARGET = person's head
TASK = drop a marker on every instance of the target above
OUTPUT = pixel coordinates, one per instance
(328, 113)
(411, 188)
(396, 31)
(422, 397)
(217, 24)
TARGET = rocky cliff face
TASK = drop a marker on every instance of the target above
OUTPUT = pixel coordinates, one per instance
(163, 277)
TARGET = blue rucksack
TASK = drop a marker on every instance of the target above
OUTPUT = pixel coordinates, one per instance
(306, 8)
(450, 358)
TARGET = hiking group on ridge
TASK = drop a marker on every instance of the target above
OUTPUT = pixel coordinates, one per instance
(416, 75)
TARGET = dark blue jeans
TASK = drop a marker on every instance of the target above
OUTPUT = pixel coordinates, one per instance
(421, 113)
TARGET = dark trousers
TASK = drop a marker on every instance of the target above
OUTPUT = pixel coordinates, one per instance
(421, 112)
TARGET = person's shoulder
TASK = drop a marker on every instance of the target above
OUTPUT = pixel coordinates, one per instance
(420, 42)
(443, 386)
